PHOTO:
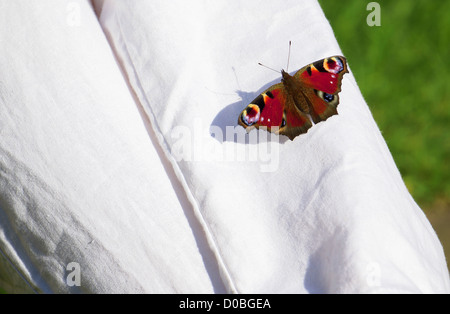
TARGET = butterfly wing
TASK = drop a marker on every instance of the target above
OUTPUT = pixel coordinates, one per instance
(320, 83)
(283, 108)
(275, 111)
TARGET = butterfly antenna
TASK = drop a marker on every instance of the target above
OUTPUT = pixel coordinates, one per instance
(268, 67)
(289, 56)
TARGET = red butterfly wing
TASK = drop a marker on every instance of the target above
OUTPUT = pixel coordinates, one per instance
(321, 83)
(274, 109)
(283, 107)
(324, 75)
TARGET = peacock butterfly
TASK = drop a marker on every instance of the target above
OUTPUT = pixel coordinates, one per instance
(287, 108)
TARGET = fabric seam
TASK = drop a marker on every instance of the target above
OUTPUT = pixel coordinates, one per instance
(180, 176)
(8, 260)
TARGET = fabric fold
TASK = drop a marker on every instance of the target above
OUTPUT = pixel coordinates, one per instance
(86, 205)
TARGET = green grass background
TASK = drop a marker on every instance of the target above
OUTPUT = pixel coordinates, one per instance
(402, 68)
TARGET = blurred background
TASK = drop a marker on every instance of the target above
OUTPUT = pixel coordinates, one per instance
(402, 69)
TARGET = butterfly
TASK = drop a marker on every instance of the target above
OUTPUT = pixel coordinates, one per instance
(287, 108)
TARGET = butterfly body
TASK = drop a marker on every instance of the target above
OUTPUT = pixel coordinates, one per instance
(288, 107)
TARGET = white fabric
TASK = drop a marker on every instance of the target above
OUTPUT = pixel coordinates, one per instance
(80, 179)
(327, 212)
(177, 204)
